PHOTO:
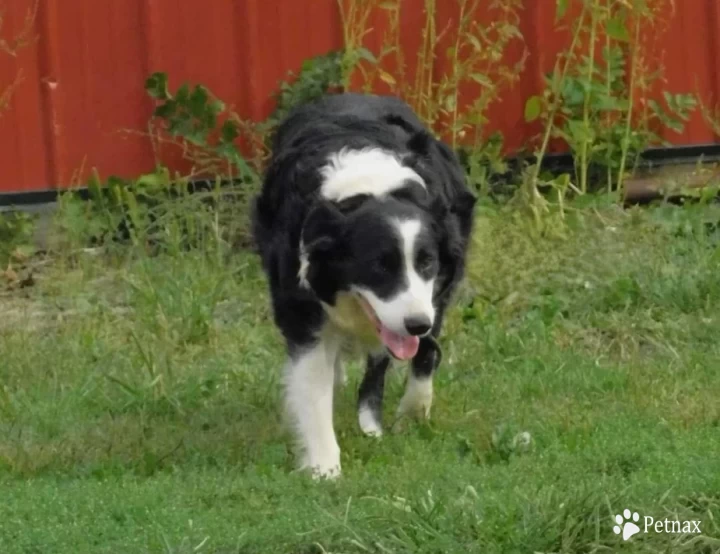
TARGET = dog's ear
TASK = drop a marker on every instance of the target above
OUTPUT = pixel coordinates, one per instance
(324, 229)
(453, 228)
(323, 239)
(450, 252)
(419, 143)
(464, 204)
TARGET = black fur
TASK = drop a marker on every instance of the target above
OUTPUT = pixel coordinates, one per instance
(349, 241)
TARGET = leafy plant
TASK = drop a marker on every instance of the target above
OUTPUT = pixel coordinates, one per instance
(16, 235)
(591, 101)
(181, 209)
(487, 169)
(187, 209)
(475, 59)
(156, 213)
(317, 76)
(192, 115)
(355, 16)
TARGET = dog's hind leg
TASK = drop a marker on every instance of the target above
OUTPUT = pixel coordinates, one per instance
(370, 397)
(309, 380)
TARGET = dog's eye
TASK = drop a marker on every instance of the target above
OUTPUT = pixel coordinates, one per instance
(424, 261)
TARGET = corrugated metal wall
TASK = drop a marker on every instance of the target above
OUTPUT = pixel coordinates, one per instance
(83, 77)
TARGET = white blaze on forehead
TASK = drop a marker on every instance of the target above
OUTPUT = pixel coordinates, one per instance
(415, 298)
(370, 171)
(419, 290)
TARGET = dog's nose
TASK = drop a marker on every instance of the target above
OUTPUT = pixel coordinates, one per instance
(417, 325)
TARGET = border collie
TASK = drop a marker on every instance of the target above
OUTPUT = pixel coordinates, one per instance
(363, 224)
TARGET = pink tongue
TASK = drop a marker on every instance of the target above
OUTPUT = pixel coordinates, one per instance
(402, 347)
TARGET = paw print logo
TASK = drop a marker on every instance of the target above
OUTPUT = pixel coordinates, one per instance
(627, 524)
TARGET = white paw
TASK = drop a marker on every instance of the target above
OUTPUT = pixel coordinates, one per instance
(326, 472)
(368, 422)
(323, 465)
(417, 400)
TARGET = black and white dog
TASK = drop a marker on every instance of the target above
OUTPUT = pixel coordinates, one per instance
(363, 224)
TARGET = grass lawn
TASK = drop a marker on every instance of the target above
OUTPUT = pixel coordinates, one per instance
(140, 406)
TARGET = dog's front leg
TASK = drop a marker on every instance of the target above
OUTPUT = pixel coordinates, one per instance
(309, 380)
(340, 373)
(370, 396)
(418, 397)
(417, 400)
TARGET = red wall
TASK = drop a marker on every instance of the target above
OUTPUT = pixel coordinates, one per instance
(83, 77)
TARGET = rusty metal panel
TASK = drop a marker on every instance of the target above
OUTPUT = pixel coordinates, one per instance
(23, 127)
(689, 51)
(81, 102)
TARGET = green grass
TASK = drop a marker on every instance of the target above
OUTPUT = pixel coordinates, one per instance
(140, 405)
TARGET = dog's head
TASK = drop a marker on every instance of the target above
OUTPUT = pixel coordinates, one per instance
(386, 253)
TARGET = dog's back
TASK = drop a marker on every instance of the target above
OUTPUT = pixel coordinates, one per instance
(372, 111)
